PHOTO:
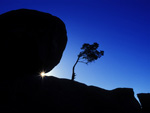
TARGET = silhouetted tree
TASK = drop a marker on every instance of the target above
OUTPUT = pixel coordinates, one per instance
(89, 54)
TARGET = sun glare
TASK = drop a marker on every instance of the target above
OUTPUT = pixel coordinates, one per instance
(43, 74)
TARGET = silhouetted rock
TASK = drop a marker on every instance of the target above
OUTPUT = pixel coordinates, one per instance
(145, 102)
(50, 94)
(31, 41)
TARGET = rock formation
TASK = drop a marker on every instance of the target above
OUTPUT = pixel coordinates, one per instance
(31, 41)
(145, 102)
(51, 94)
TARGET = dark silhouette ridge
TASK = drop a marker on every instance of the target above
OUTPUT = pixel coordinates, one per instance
(51, 94)
(145, 102)
(31, 42)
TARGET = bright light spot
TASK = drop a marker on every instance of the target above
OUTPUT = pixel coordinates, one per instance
(43, 74)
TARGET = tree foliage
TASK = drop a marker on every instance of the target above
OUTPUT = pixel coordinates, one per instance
(88, 54)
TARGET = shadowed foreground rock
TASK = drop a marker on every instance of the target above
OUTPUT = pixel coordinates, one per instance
(145, 102)
(34, 94)
(31, 41)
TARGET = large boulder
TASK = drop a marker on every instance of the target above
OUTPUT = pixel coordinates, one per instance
(56, 95)
(145, 102)
(31, 42)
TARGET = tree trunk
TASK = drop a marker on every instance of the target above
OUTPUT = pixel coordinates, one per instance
(73, 70)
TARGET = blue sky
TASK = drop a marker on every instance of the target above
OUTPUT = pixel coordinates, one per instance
(122, 29)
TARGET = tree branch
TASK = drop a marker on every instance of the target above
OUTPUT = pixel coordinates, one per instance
(83, 62)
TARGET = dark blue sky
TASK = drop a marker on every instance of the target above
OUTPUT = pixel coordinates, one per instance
(121, 27)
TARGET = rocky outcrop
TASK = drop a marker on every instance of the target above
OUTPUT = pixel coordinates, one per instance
(145, 102)
(50, 94)
(31, 41)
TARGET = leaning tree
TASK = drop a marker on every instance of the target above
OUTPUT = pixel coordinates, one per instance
(88, 54)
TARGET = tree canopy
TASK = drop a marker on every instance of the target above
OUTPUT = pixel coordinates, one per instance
(90, 53)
